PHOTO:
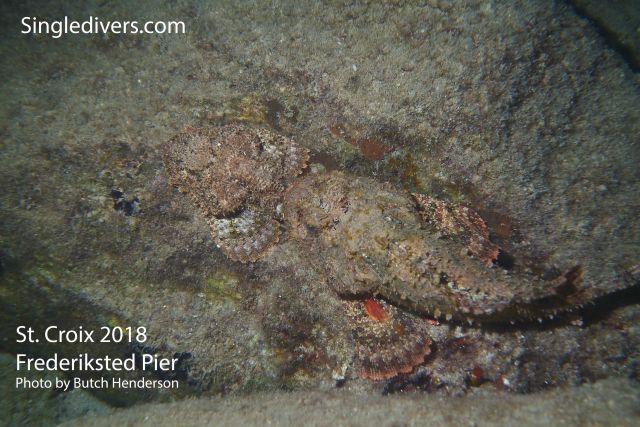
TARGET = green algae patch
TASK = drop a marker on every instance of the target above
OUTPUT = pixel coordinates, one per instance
(278, 113)
(221, 286)
(251, 109)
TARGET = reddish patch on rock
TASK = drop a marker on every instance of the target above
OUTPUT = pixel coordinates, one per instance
(371, 150)
(338, 130)
(476, 377)
(499, 224)
(432, 321)
(374, 310)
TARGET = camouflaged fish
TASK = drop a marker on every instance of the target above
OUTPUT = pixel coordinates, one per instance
(390, 256)
(236, 176)
(429, 256)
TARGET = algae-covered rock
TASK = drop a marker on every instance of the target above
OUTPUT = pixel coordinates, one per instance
(517, 110)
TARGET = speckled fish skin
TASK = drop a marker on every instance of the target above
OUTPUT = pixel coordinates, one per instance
(370, 240)
(389, 345)
(236, 175)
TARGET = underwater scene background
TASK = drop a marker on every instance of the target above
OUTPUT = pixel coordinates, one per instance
(324, 213)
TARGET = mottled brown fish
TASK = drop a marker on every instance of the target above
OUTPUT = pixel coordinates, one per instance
(389, 255)
(372, 239)
(388, 340)
(236, 175)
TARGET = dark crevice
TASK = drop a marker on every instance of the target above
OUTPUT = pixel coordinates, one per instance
(626, 52)
(504, 260)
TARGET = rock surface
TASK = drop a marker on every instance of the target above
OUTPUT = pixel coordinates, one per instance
(609, 402)
(516, 109)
